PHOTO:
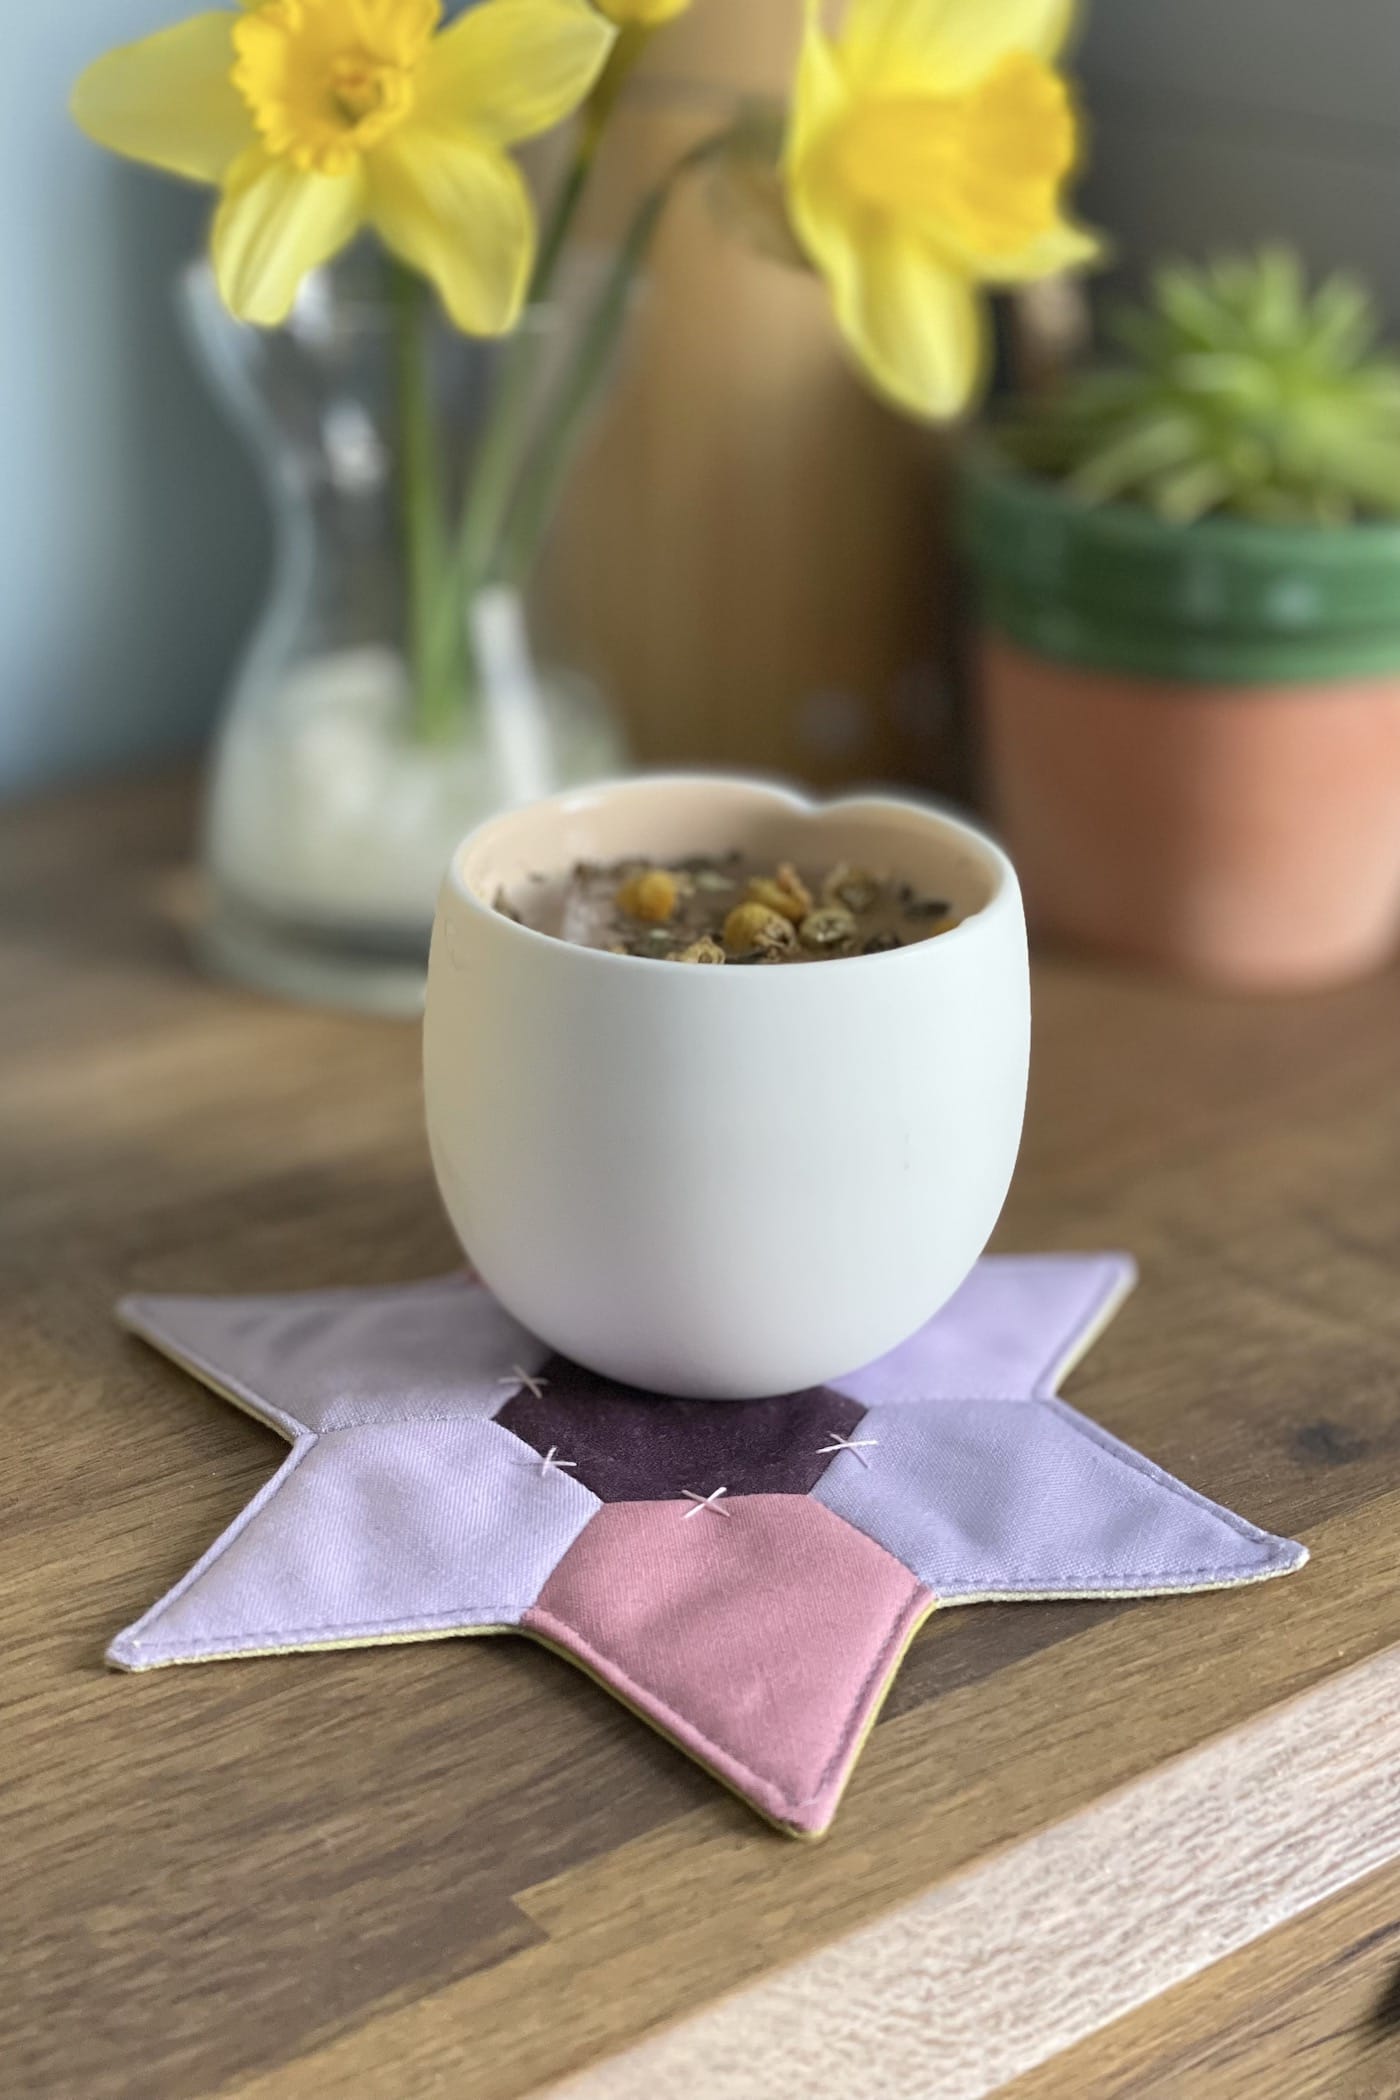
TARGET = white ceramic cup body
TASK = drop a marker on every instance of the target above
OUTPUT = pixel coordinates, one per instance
(724, 1182)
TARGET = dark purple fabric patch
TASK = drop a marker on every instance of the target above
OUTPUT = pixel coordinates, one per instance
(629, 1446)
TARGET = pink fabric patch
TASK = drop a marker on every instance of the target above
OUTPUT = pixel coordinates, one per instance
(759, 1637)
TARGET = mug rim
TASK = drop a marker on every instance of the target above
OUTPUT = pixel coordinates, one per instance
(1005, 887)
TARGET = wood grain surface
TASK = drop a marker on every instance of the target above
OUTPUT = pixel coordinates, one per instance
(459, 1869)
(1311, 2011)
(1019, 1956)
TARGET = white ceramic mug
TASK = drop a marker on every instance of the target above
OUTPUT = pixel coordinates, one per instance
(724, 1182)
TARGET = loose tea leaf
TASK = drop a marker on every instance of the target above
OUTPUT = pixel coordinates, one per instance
(719, 908)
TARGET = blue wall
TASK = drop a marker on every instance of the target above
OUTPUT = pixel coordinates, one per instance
(131, 533)
(1218, 122)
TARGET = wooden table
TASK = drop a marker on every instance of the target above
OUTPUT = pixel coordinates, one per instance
(1100, 1849)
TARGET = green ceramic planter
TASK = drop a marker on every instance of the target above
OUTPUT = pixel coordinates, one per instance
(1191, 733)
(1221, 602)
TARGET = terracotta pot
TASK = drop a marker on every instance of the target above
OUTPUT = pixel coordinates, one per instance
(1246, 835)
(1192, 734)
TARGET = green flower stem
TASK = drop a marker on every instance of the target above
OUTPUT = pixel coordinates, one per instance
(567, 417)
(434, 657)
(506, 435)
(631, 42)
(544, 474)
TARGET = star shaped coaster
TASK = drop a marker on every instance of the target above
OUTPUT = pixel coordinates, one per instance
(745, 1576)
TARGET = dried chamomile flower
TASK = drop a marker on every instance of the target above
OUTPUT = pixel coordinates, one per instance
(753, 929)
(650, 895)
(792, 882)
(828, 931)
(850, 888)
(706, 950)
(763, 890)
(713, 880)
(783, 891)
(880, 944)
(928, 908)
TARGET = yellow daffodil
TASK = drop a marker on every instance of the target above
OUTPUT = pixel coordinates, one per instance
(643, 14)
(317, 117)
(928, 145)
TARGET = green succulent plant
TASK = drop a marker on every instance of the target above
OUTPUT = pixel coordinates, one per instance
(1242, 392)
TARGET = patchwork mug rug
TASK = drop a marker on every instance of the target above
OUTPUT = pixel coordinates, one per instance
(746, 1577)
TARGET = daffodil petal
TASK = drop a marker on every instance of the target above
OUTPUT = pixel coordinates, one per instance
(647, 14)
(1063, 246)
(914, 325)
(819, 93)
(169, 100)
(511, 68)
(947, 45)
(457, 210)
(275, 223)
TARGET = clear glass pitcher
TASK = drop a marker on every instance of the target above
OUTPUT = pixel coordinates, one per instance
(335, 798)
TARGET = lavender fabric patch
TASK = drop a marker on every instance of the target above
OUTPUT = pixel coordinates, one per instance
(1004, 1499)
(1012, 1331)
(373, 1532)
(449, 1474)
(327, 1359)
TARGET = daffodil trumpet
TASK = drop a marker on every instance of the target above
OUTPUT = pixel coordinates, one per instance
(927, 153)
(315, 118)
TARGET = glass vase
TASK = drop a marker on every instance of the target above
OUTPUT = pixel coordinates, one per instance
(336, 795)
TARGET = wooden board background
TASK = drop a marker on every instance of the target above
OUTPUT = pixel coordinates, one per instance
(752, 557)
(459, 1868)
